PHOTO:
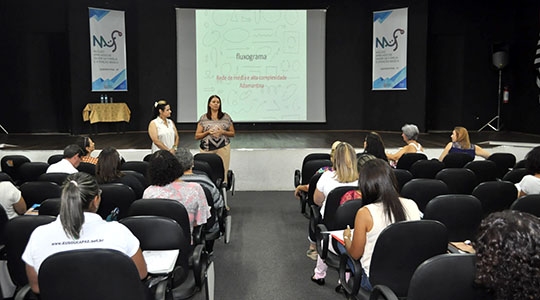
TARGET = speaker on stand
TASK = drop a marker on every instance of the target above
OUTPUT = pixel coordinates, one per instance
(500, 60)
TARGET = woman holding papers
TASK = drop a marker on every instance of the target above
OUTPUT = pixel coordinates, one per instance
(79, 227)
(383, 206)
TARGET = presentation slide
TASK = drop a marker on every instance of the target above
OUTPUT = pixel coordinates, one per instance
(266, 65)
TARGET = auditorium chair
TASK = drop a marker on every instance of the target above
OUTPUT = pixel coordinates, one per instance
(495, 195)
(50, 207)
(515, 175)
(407, 159)
(402, 177)
(457, 160)
(30, 171)
(88, 168)
(55, 158)
(485, 170)
(35, 192)
(426, 168)
(10, 165)
(528, 203)
(139, 166)
(458, 180)
(504, 161)
(115, 195)
(5, 177)
(310, 165)
(57, 178)
(89, 274)
(422, 190)
(399, 250)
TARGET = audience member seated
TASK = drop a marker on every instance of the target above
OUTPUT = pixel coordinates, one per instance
(88, 146)
(383, 206)
(461, 143)
(164, 171)
(410, 135)
(11, 199)
(530, 184)
(507, 247)
(185, 157)
(79, 227)
(71, 158)
(345, 173)
(108, 171)
(373, 144)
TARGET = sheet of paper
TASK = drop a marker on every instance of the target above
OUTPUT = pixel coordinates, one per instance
(160, 261)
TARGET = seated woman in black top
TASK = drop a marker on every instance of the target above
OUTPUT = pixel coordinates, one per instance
(108, 171)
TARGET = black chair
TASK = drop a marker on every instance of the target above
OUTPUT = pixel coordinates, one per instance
(35, 192)
(457, 160)
(3, 221)
(140, 177)
(515, 175)
(422, 190)
(302, 176)
(458, 180)
(495, 195)
(461, 214)
(115, 195)
(50, 207)
(402, 177)
(528, 203)
(485, 170)
(88, 168)
(521, 164)
(10, 165)
(193, 270)
(147, 157)
(399, 250)
(55, 158)
(442, 277)
(167, 208)
(504, 161)
(139, 166)
(426, 168)
(5, 177)
(30, 171)
(218, 173)
(17, 233)
(89, 274)
(57, 178)
(407, 159)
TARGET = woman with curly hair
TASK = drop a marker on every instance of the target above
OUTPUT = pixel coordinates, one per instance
(508, 255)
(164, 171)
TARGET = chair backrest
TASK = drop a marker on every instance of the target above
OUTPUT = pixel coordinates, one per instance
(515, 175)
(312, 187)
(90, 274)
(485, 170)
(314, 156)
(55, 158)
(458, 180)
(495, 195)
(216, 164)
(17, 233)
(422, 190)
(403, 176)
(426, 168)
(115, 195)
(201, 166)
(311, 167)
(407, 159)
(401, 248)
(461, 214)
(504, 161)
(3, 221)
(87, 167)
(11, 163)
(332, 203)
(57, 178)
(50, 207)
(140, 177)
(520, 164)
(345, 214)
(446, 277)
(35, 192)
(528, 203)
(30, 171)
(5, 177)
(139, 166)
(457, 160)
(162, 207)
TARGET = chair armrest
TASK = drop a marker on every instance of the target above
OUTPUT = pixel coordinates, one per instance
(198, 234)
(199, 264)
(323, 240)
(353, 285)
(297, 176)
(382, 291)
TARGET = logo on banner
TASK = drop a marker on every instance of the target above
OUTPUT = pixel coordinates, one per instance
(383, 42)
(102, 42)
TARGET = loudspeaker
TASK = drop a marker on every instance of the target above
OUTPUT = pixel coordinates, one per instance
(500, 59)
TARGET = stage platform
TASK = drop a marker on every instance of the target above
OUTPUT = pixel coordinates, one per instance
(263, 160)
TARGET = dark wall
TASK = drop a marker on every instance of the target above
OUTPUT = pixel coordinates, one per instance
(45, 73)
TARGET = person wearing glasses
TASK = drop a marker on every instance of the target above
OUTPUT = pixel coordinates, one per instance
(79, 227)
(88, 146)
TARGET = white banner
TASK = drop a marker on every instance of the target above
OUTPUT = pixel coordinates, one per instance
(390, 49)
(108, 50)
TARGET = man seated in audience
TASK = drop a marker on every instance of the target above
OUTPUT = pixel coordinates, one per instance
(69, 162)
(11, 199)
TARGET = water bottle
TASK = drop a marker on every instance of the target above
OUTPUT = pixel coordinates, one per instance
(111, 100)
(102, 99)
(106, 100)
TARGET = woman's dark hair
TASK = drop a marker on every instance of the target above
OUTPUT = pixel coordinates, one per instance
(375, 146)
(532, 160)
(209, 111)
(163, 168)
(159, 105)
(377, 183)
(108, 166)
(508, 255)
(78, 191)
(83, 142)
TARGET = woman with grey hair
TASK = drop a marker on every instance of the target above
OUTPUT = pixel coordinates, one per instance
(410, 135)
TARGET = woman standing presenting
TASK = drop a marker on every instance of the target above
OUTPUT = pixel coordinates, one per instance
(162, 130)
(214, 130)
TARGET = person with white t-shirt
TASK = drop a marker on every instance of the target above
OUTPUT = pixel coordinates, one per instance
(530, 184)
(71, 159)
(79, 227)
(11, 199)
